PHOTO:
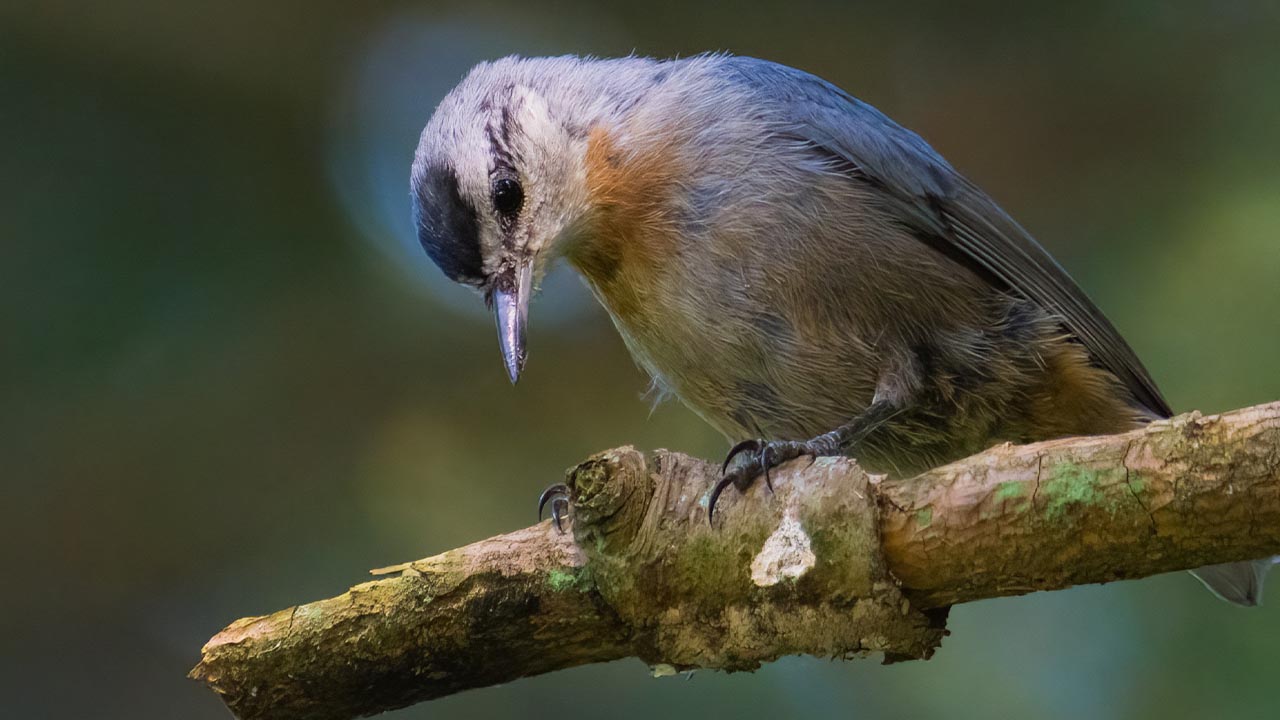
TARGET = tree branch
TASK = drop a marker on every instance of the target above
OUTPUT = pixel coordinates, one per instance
(834, 563)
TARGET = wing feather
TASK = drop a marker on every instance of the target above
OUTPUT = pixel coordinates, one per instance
(941, 206)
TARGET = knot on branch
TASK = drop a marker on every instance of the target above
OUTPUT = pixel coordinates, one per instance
(798, 570)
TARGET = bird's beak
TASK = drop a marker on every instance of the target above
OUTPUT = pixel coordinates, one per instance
(511, 309)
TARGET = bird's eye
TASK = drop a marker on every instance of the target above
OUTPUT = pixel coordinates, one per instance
(507, 196)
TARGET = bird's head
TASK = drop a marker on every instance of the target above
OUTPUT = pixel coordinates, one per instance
(498, 181)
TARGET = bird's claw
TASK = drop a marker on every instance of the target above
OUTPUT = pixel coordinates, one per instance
(558, 496)
(752, 445)
(764, 456)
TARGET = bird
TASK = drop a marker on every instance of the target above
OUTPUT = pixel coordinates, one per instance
(805, 274)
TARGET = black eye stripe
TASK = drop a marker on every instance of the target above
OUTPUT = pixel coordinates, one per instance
(448, 227)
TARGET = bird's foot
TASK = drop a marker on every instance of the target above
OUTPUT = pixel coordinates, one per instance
(558, 497)
(761, 457)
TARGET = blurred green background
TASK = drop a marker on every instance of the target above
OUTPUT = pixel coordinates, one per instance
(230, 381)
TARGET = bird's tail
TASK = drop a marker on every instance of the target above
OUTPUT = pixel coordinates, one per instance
(1237, 582)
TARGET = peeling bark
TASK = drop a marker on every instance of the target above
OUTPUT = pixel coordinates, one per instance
(835, 563)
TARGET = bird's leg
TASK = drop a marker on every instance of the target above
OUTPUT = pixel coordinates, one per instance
(763, 455)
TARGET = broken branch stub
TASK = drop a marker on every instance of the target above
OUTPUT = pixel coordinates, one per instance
(796, 571)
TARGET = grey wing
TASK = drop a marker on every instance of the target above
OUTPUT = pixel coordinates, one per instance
(941, 207)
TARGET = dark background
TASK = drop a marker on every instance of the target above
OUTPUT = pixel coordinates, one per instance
(229, 381)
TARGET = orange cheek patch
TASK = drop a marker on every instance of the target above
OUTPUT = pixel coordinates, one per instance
(631, 230)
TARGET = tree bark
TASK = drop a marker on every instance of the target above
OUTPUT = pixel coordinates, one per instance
(834, 563)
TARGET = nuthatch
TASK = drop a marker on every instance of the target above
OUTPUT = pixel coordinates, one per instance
(785, 259)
